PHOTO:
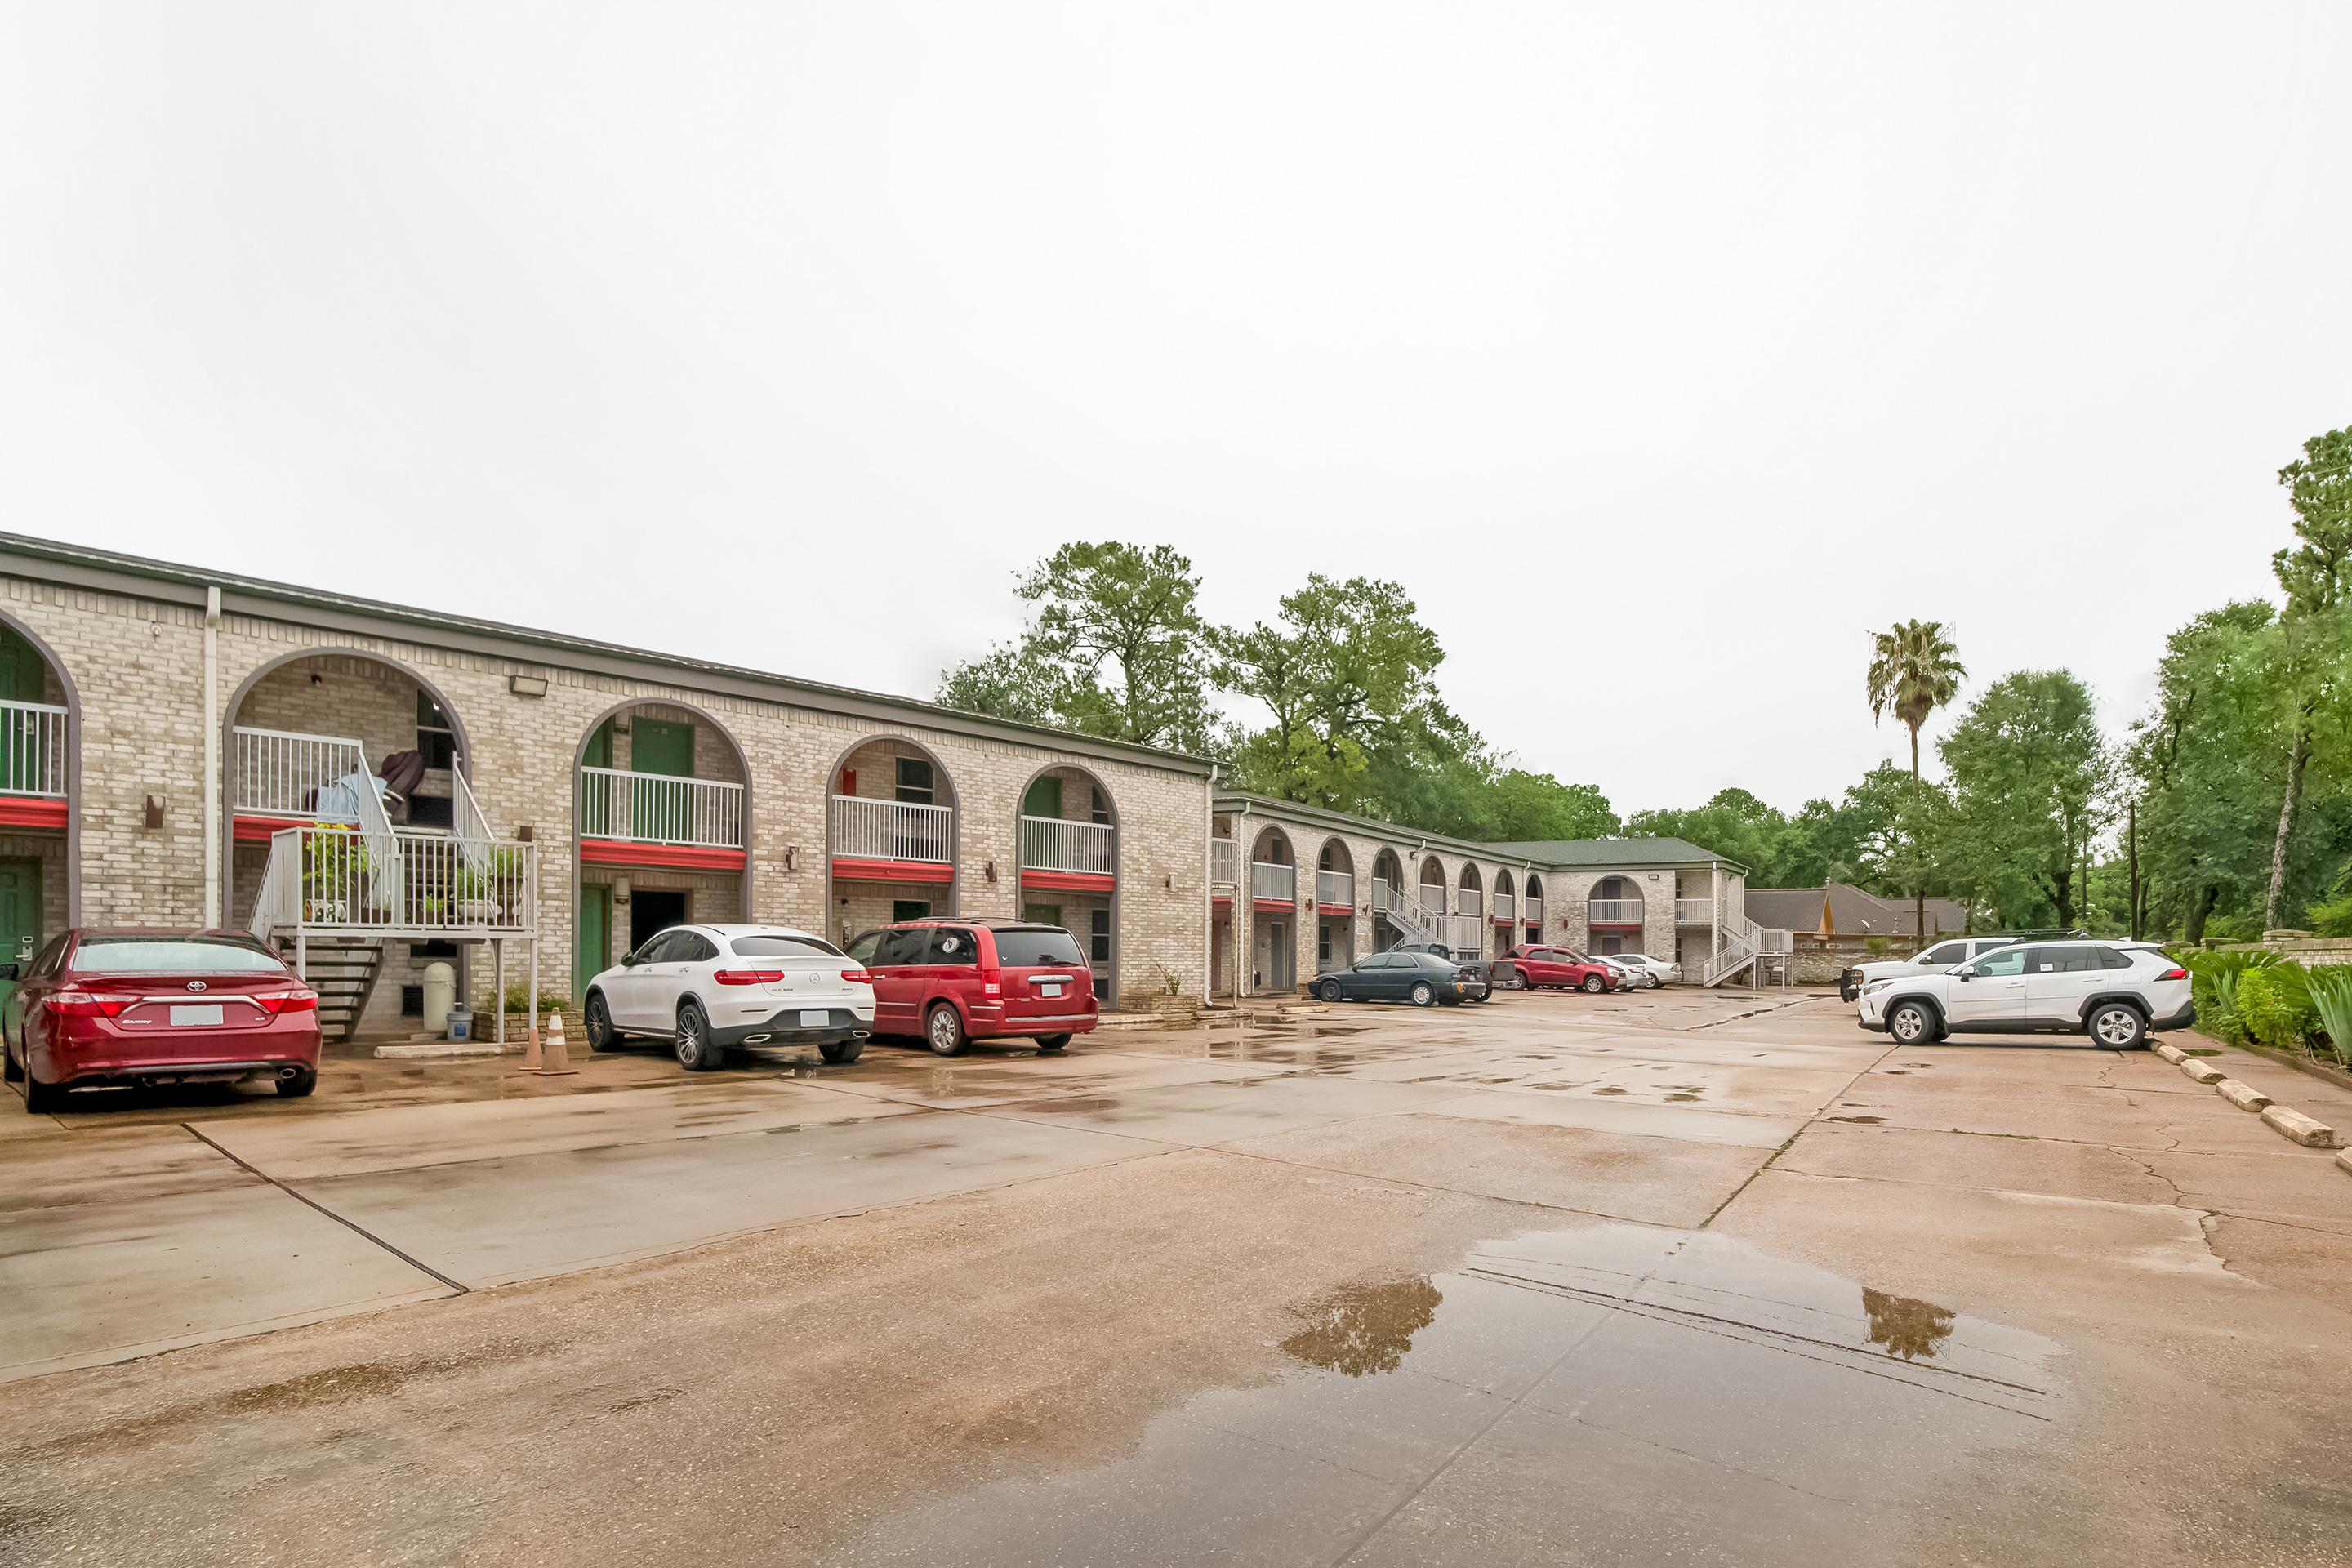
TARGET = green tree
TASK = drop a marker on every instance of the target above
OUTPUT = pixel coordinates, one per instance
(2314, 575)
(1344, 671)
(1915, 670)
(2030, 779)
(1116, 647)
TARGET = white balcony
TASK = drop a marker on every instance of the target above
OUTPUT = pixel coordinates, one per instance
(658, 808)
(1336, 888)
(866, 829)
(1385, 896)
(1057, 844)
(284, 773)
(1432, 900)
(32, 750)
(1471, 903)
(1506, 907)
(1694, 912)
(327, 878)
(1225, 862)
(1466, 934)
(1615, 911)
(1276, 882)
(1533, 912)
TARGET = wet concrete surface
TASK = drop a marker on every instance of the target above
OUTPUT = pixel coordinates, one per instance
(1354, 1286)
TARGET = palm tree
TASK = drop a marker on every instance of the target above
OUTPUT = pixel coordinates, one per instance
(1914, 670)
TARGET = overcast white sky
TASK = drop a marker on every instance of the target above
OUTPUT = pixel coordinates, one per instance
(1661, 351)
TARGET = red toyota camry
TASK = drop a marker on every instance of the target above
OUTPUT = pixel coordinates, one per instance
(112, 1008)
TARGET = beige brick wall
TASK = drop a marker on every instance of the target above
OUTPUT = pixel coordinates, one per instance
(136, 666)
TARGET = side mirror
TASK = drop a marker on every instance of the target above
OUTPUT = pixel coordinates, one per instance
(630, 960)
(1964, 975)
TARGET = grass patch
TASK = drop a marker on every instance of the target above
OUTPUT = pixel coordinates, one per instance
(2201, 1053)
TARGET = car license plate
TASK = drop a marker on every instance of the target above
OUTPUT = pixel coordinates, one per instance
(207, 1014)
(814, 1017)
(1049, 988)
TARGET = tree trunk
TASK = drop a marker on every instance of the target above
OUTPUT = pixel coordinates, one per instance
(2296, 757)
(2134, 911)
(2192, 931)
(1919, 884)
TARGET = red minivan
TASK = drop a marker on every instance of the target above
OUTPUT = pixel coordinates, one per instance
(111, 1008)
(952, 981)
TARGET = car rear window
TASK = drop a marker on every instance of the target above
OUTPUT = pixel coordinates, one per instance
(1037, 948)
(784, 947)
(173, 955)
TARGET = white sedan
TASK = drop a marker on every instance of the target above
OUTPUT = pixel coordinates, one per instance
(708, 989)
(1649, 971)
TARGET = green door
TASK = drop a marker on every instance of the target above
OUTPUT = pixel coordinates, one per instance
(1045, 797)
(24, 737)
(20, 917)
(592, 937)
(659, 746)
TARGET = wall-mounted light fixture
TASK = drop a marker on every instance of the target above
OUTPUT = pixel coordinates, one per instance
(155, 811)
(523, 833)
(620, 886)
(991, 870)
(527, 685)
(792, 855)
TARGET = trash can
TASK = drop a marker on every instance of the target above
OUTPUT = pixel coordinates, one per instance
(461, 1022)
(440, 995)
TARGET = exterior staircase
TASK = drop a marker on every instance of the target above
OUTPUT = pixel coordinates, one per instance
(343, 972)
(1748, 949)
(1407, 914)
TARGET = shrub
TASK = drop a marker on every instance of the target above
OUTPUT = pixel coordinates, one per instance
(2273, 1004)
(2331, 1006)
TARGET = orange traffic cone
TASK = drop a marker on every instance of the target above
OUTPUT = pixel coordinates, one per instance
(558, 1055)
(530, 1058)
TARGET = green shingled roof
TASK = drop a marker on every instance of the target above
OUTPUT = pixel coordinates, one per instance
(1612, 852)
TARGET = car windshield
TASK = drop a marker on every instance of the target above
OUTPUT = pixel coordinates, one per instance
(1037, 947)
(173, 955)
(781, 946)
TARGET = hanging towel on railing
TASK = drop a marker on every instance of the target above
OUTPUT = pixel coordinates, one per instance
(340, 801)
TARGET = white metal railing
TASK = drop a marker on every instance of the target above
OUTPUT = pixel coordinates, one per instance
(1737, 944)
(330, 878)
(1615, 911)
(32, 749)
(1433, 899)
(1466, 934)
(1506, 907)
(1533, 912)
(1469, 902)
(279, 773)
(1225, 862)
(868, 829)
(1694, 912)
(1336, 888)
(661, 808)
(1058, 844)
(1272, 881)
(1385, 897)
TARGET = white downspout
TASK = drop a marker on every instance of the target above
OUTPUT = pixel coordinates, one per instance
(1209, 889)
(212, 776)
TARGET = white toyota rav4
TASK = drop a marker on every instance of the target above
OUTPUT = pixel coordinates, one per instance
(1932, 960)
(2119, 993)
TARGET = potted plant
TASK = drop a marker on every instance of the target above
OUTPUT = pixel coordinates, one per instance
(335, 873)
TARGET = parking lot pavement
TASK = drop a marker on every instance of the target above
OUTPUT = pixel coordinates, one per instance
(1707, 1277)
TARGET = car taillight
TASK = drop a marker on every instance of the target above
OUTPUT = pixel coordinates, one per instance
(276, 1002)
(858, 976)
(988, 983)
(749, 976)
(88, 1005)
(2173, 974)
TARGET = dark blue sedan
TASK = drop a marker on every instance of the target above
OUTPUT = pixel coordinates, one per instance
(1423, 979)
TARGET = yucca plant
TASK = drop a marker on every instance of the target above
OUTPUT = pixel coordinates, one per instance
(2331, 1006)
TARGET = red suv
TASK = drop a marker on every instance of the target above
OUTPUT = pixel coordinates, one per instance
(1539, 967)
(118, 1007)
(953, 981)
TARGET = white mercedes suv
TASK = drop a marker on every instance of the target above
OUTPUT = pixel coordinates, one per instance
(708, 989)
(2119, 993)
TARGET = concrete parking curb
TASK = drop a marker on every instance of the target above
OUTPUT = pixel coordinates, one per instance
(2244, 1096)
(2344, 1162)
(2172, 1054)
(2297, 1128)
(2203, 1072)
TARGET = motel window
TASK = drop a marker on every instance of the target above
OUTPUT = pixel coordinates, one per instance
(914, 781)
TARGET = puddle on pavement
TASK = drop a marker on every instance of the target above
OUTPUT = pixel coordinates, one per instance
(1864, 1121)
(1615, 1393)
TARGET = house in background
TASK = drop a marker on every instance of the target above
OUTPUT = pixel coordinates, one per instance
(1837, 924)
